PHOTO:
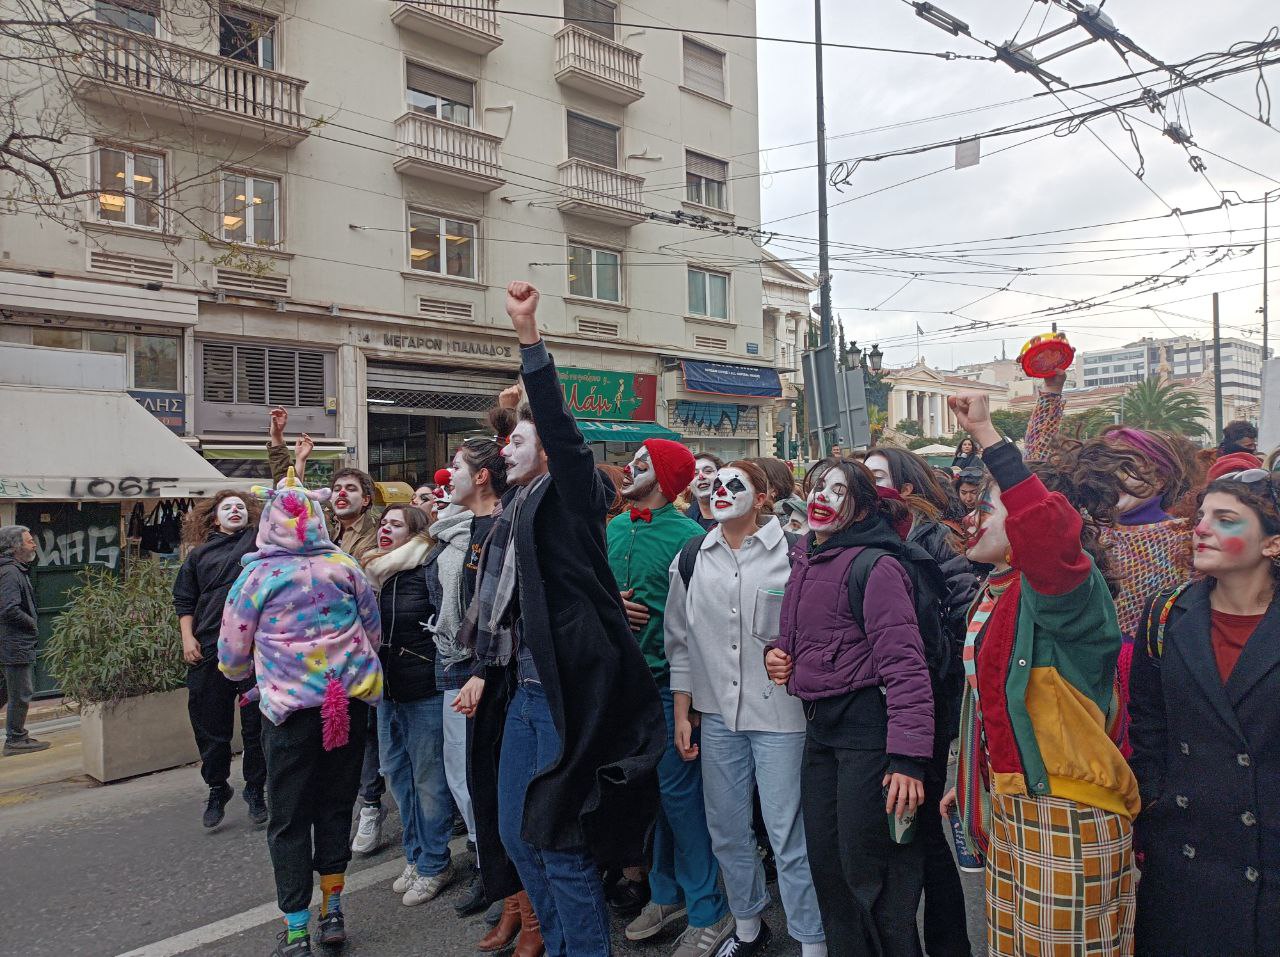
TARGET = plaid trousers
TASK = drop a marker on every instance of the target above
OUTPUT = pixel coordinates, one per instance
(1060, 880)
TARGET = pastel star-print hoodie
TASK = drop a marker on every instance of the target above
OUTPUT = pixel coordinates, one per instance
(302, 617)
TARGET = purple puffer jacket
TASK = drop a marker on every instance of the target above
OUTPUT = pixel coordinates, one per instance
(832, 656)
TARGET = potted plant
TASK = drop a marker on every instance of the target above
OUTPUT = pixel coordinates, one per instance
(117, 653)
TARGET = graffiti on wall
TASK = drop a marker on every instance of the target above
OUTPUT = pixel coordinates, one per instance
(96, 545)
(715, 420)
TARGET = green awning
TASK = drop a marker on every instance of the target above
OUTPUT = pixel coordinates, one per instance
(595, 430)
(258, 453)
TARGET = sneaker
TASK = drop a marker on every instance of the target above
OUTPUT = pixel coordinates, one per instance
(493, 914)
(423, 888)
(401, 883)
(299, 948)
(627, 898)
(333, 929)
(216, 809)
(473, 900)
(654, 919)
(27, 745)
(368, 837)
(257, 804)
(733, 947)
(705, 941)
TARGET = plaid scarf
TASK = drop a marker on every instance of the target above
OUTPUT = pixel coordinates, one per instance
(488, 626)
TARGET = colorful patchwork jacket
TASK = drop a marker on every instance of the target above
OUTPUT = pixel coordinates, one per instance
(1047, 659)
(301, 616)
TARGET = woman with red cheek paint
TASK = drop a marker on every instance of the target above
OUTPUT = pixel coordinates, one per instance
(1206, 735)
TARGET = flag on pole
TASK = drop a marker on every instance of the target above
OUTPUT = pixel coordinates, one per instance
(919, 331)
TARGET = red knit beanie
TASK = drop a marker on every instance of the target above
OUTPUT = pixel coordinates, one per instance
(1235, 462)
(673, 464)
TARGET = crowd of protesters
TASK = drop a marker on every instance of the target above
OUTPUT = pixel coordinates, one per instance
(647, 693)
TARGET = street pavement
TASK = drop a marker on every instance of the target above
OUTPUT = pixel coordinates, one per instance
(127, 869)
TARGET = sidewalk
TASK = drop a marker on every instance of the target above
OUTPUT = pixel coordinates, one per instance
(60, 768)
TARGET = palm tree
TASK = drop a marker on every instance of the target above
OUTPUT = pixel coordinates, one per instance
(1161, 407)
(878, 421)
(1087, 424)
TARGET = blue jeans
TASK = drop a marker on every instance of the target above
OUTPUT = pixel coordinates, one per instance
(732, 763)
(411, 755)
(683, 862)
(564, 886)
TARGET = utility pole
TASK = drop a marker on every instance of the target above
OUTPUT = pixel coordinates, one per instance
(824, 265)
(1266, 205)
(1217, 372)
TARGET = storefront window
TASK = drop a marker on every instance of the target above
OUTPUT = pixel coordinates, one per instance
(155, 362)
(57, 338)
(114, 342)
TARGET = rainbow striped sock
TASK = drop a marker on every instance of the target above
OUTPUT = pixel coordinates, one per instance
(331, 893)
(297, 922)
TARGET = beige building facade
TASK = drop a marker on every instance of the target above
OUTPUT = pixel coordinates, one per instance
(920, 394)
(320, 207)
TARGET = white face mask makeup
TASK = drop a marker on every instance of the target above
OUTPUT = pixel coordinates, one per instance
(525, 458)
(826, 501)
(462, 482)
(638, 476)
(232, 514)
(878, 466)
(704, 477)
(732, 495)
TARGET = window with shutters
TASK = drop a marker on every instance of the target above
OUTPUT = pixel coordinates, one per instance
(593, 140)
(140, 16)
(705, 180)
(250, 211)
(708, 294)
(704, 69)
(439, 94)
(594, 273)
(262, 376)
(598, 16)
(438, 244)
(247, 36)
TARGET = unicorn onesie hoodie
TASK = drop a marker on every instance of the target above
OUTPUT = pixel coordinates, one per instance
(302, 617)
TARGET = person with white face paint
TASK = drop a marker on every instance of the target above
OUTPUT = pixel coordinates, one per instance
(868, 700)
(705, 466)
(717, 625)
(567, 699)
(223, 530)
(643, 542)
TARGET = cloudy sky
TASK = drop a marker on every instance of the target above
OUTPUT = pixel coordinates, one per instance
(1050, 183)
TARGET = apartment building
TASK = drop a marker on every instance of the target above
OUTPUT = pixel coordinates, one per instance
(319, 206)
(1182, 359)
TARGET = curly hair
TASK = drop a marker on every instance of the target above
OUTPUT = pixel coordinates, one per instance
(1063, 482)
(202, 518)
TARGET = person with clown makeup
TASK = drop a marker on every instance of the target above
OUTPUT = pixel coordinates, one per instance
(303, 622)
(222, 531)
(705, 466)
(717, 625)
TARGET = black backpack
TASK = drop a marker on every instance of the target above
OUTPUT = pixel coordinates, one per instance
(689, 554)
(930, 592)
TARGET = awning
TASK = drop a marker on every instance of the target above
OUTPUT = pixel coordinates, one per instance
(724, 378)
(597, 431)
(89, 445)
(258, 453)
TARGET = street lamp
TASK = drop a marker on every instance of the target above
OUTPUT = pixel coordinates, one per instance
(853, 356)
(876, 358)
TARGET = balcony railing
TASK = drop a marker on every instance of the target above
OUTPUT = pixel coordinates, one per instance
(587, 61)
(125, 68)
(467, 24)
(448, 153)
(601, 193)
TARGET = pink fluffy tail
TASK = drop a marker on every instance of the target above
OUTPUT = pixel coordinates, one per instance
(335, 720)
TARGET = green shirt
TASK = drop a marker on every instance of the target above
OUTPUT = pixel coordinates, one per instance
(640, 554)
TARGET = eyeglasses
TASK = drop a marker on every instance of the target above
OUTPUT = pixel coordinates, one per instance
(1249, 476)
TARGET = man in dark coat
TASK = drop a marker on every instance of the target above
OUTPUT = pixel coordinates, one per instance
(19, 630)
(569, 728)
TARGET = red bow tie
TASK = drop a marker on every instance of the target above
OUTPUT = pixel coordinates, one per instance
(641, 515)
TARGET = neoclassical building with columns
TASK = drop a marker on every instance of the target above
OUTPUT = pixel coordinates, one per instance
(920, 394)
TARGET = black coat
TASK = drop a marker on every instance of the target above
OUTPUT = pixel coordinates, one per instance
(19, 627)
(408, 653)
(602, 791)
(1207, 759)
(204, 580)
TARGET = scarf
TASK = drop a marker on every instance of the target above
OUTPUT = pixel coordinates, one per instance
(488, 623)
(381, 566)
(452, 533)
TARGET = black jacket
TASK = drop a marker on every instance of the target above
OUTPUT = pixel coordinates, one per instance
(204, 580)
(408, 654)
(19, 628)
(1207, 758)
(601, 792)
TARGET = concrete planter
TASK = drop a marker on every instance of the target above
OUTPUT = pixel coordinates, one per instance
(138, 736)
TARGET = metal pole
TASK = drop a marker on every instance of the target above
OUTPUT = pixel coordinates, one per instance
(1266, 205)
(824, 270)
(1217, 372)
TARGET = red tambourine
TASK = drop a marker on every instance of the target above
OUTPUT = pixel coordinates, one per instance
(1047, 355)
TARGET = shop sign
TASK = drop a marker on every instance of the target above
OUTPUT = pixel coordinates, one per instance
(726, 378)
(715, 420)
(620, 396)
(169, 407)
(437, 345)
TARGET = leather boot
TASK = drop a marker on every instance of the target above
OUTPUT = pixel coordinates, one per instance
(530, 942)
(504, 932)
